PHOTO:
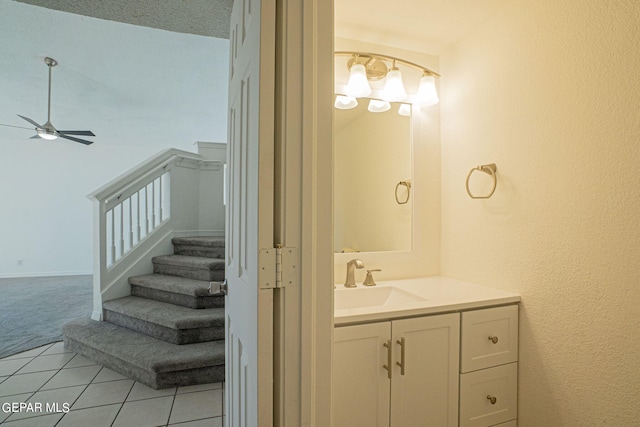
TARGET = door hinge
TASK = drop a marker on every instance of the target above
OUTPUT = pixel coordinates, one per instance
(278, 267)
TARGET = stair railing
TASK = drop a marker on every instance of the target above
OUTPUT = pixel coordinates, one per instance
(138, 213)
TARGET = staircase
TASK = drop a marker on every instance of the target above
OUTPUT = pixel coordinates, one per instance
(170, 331)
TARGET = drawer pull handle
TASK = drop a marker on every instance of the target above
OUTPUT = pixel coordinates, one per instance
(401, 362)
(388, 365)
(493, 339)
(492, 399)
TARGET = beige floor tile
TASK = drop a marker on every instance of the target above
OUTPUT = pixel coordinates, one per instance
(208, 422)
(43, 421)
(107, 374)
(56, 348)
(196, 405)
(199, 387)
(29, 353)
(46, 363)
(59, 400)
(100, 416)
(141, 391)
(11, 366)
(18, 384)
(145, 413)
(104, 394)
(79, 361)
(72, 377)
(16, 398)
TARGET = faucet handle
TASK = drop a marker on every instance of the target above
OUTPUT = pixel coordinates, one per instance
(368, 281)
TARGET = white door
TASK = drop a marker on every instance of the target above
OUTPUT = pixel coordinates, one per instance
(249, 217)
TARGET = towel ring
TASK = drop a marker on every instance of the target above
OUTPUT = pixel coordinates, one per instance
(405, 184)
(490, 169)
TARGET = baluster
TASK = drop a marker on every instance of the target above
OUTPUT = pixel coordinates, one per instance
(138, 212)
(146, 209)
(160, 197)
(113, 236)
(121, 229)
(130, 223)
(153, 204)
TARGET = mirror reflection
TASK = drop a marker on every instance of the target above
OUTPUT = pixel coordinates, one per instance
(373, 194)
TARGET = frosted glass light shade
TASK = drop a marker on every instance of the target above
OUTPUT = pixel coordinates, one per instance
(358, 85)
(427, 93)
(404, 110)
(394, 88)
(377, 106)
(345, 102)
(42, 133)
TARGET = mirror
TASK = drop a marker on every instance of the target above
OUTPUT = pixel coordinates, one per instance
(373, 169)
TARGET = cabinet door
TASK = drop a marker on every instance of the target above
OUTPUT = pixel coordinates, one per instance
(426, 394)
(360, 383)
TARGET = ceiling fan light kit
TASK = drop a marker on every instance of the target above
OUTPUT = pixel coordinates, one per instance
(48, 131)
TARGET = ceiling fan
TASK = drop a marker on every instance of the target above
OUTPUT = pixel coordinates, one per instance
(47, 131)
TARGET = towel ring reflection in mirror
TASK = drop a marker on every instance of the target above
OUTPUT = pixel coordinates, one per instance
(489, 169)
(406, 199)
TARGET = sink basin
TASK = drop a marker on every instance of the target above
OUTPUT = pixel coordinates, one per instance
(384, 296)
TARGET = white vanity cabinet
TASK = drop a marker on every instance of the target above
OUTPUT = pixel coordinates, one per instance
(488, 367)
(399, 373)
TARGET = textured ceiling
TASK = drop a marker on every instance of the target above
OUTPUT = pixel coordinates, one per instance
(201, 17)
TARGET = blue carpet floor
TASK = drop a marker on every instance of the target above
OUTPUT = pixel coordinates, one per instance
(33, 309)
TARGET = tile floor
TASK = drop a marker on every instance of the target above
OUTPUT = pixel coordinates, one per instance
(87, 394)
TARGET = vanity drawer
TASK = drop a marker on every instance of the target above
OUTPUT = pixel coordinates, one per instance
(511, 423)
(489, 338)
(489, 396)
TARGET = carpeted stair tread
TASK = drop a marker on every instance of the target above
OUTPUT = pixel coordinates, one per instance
(207, 246)
(190, 261)
(209, 241)
(192, 267)
(176, 290)
(165, 314)
(155, 363)
(175, 284)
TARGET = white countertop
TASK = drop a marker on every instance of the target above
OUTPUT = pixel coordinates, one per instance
(427, 295)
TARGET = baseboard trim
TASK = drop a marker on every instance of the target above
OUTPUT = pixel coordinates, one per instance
(47, 274)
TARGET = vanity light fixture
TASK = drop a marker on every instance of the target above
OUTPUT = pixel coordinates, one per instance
(358, 86)
(394, 88)
(427, 93)
(365, 67)
(404, 109)
(345, 102)
(378, 106)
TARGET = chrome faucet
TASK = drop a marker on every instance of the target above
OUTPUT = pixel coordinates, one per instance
(350, 282)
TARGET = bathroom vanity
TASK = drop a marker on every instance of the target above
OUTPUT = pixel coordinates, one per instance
(425, 352)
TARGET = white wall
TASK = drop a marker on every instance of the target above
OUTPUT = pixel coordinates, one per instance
(549, 91)
(138, 89)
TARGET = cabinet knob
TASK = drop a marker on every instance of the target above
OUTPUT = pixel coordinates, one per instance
(493, 339)
(492, 399)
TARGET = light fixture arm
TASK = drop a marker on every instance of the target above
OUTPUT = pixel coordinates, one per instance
(371, 56)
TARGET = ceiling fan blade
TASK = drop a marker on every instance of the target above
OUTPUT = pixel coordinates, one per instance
(30, 121)
(18, 127)
(81, 141)
(77, 132)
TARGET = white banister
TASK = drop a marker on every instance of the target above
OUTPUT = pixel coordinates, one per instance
(128, 230)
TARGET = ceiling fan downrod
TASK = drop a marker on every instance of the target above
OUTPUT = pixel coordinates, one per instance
(51, 63)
